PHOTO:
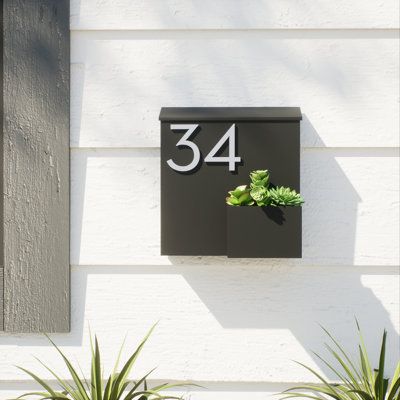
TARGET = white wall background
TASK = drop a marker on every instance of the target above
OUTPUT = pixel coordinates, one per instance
(232, 326)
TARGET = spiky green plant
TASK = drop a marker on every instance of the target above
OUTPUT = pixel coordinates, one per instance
(358, 380)
(240, 197)
(284, 196)
(117, 387)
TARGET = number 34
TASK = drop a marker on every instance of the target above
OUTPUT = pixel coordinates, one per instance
(211, 157)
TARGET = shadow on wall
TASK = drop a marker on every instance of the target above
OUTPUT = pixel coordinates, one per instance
(252, 297)
(295, 299)
(268, 294)
(277, 294)
(329, 213)
(274, 294)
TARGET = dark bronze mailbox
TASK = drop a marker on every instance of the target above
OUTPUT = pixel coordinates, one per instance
(207, 151)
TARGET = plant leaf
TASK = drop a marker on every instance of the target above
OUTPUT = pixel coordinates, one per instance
(379, 382)
(366, 365)
(395, 385)
(64, 385)
(96, 376)
(81, 393)
(129, 364)
(364, 395)
(39, 381)
(334, 394)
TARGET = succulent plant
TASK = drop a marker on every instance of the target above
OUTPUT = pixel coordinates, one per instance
(240, 197)
(259, 177)
(260, 195)
(284, 196)
(259, 186)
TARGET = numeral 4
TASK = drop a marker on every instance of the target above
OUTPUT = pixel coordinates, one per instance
(231, 159)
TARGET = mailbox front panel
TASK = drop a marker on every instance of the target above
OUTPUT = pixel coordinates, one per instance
(193, 208)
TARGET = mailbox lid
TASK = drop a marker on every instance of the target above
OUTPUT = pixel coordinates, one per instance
(215, 114)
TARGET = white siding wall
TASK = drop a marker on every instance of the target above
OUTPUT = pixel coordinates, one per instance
(232, 326)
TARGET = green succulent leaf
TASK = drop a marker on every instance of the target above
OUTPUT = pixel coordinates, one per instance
(240, 197)
(258, 193)
(232, 201)
(259, 178)
(284, 196)
(239, 191)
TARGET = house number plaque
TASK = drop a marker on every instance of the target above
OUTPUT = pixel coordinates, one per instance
(207, 151)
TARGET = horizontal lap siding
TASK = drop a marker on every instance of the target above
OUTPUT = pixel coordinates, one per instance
(232, 325)
(116, 206)
(238, 14)
(208, 391)
(218, 323)
(120, 80)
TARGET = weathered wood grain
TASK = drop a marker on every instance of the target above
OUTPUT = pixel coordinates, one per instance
(1, 176)
(36, 166)
(1, 298)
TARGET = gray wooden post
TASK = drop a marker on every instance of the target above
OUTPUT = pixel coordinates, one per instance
(35, 166)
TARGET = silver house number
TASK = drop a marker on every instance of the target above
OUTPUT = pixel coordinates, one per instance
(211, 157)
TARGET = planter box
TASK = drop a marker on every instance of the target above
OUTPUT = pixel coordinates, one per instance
(264, 232)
